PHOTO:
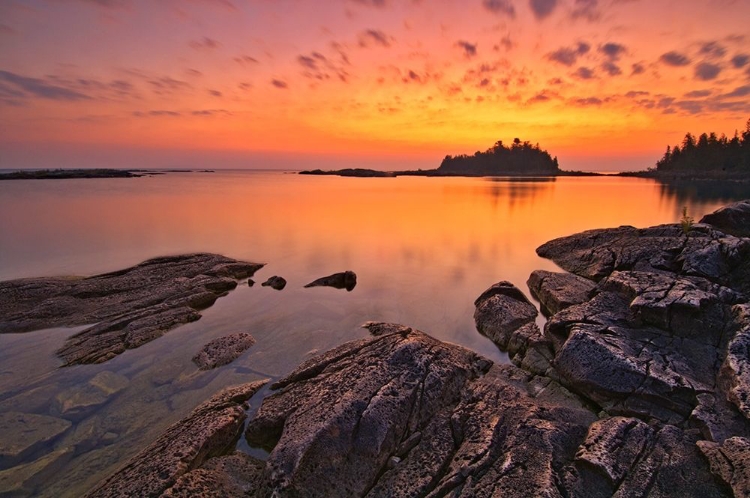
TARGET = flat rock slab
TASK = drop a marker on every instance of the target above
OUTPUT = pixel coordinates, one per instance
(223, 350)
(24, 433)
(210, 430)
(130, 307)
(79, 401)
(557, 291)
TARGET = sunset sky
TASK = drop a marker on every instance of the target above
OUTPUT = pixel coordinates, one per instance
(386, 84)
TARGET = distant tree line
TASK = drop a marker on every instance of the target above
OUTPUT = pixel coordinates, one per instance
(521, 158)
(709, 154)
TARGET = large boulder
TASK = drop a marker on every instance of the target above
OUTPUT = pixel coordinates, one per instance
(557, 291)
(734, 218)
(130, 307)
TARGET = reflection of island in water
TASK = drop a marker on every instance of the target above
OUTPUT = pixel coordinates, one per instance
(700, 191)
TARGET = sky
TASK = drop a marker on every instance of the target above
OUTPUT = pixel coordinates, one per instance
(385, 84)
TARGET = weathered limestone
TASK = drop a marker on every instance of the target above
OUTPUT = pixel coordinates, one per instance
(344, 280)
(730, 462)
(131, 306)
(210, 430)
(223, 350)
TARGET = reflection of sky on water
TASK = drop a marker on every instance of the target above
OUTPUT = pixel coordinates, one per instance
(423, 250)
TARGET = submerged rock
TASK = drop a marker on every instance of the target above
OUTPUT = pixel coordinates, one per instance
(223, 350)
(79, 401)
(275, 282)
(344, 280)
(210, 430)
(130, 307)
(24, 433)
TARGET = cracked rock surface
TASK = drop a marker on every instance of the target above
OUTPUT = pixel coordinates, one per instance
(130, 307)
(637, 387)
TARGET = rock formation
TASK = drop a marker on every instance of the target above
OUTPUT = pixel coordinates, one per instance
(344, 280)
(223, 350)
(275, 282)
(637, 386)
(130, 307)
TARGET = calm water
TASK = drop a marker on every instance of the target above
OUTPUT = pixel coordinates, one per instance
(423, 250)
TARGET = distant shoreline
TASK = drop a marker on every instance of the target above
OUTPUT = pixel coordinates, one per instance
(371, 173)
(64, 174)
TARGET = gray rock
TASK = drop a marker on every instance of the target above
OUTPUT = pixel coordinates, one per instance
(557, 291)
(404, 414)
(211, 430)
(237, 474)
(275, 282)
(131, 306)
(735, 372)
(500, 311)
(223, 350)
(730, 462)
(344, 280)
(734, 218)
(25, 433)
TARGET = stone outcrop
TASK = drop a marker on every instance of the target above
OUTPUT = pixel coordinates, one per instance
(211, 430)
(343, 280)
(223, 350)
(275, 282)
(637, 386)
(557, 291)
(130, 307)
(733, 219)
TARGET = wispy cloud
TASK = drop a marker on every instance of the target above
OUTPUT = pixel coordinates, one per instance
(542, 8)
(281, 84)
(584, 73)
(500, 7)
(40, 88)
(374, 36)
(569, 55)
(706, 71)
(205, 43)
(740, 60)
(469, 49)
(318, 66)
(713, 50)
(613, 50)
(675, 59)
(586, 9)
(371, 3)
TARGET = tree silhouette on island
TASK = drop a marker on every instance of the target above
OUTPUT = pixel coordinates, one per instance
(709, 157)
(519, 159)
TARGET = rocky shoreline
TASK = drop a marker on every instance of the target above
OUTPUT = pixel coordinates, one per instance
(639, 385)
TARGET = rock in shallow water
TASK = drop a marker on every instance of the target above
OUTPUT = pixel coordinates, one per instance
(223, 350)
(734, 218)
(275, 282)
(24, 433)
(132, 306)
(210, 430)
(344, 280)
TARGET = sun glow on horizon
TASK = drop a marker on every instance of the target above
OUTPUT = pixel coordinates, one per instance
(367, 79)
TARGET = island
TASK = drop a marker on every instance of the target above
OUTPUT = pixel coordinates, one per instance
(518, 159)
(709, 157)
(59, 174)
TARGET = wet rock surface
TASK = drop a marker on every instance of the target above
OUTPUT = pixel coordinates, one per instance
(343, 280)
(275, 282)
(23, 433)
(223, 350)
(637, 386)
(130, 307)
(211, 430)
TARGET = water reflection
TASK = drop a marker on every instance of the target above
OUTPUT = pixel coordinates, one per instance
(684, 192)
(422, 248)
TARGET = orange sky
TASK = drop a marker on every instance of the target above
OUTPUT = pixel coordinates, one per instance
(602, 84)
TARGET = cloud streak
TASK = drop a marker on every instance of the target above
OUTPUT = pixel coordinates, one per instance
(39, 88)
